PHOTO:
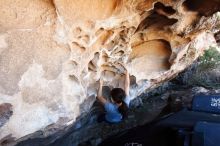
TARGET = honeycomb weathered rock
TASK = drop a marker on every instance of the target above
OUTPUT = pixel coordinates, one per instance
(52, 52)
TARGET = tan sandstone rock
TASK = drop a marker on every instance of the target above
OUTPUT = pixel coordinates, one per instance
(53, 52)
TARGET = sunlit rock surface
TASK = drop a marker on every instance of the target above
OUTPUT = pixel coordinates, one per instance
(52, 53)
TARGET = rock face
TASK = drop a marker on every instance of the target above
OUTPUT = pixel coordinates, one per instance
(52, 52)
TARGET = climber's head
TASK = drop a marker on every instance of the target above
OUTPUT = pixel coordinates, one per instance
(118, 95)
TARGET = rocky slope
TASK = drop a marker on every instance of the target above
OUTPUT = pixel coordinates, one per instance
(52, 52)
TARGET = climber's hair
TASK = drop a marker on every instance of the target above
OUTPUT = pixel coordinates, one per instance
(118, 96)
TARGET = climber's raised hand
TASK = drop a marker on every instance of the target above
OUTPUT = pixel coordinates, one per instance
(127, 83)
(100, 97)
(101, 81)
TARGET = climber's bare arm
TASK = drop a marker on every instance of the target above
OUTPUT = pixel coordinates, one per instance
(99, 96)
(127, 83)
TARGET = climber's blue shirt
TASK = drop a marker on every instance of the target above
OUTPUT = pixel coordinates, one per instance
(113, 115)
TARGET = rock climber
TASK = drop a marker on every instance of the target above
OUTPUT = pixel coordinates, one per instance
(116, 109)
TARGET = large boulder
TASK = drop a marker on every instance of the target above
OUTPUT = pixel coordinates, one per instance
(52, 52)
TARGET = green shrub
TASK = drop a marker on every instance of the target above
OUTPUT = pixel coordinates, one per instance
(206, 63)
(210, 59)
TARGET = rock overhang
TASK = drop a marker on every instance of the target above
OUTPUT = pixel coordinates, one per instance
(53, 52)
